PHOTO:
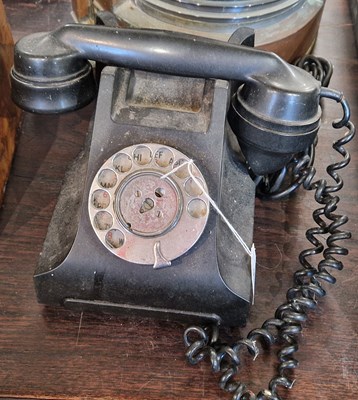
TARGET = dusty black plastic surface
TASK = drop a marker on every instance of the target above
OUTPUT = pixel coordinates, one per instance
(51, 74)
(211, 281)
(274, 113)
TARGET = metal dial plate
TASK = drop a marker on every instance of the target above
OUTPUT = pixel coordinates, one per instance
(140, 216)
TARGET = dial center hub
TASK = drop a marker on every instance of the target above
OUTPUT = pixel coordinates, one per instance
(148, 205)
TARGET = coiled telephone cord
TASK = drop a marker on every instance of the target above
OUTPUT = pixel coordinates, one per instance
(319, 67)
(287, 323)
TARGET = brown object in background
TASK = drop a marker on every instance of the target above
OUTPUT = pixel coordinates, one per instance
(290, 42)
(9, 114)
(84, 9)
(298, 43)
(81, 9)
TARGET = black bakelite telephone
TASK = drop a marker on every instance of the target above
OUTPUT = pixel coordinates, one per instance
(179, 118)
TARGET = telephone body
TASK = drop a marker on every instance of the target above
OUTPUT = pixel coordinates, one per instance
(129, 237)
(204, 280)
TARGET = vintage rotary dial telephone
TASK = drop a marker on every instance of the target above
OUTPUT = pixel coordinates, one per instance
(137, 235)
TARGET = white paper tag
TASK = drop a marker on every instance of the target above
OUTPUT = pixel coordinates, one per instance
(253, 271)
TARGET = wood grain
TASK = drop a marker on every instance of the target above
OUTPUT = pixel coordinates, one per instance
(9, 114)
(83, 9)
(51, 353)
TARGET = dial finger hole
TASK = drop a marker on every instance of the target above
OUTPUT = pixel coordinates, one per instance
(115, 238)
(122, 162)
(100, 199)
(103, 220)
(197, 208)
(163, 157)
(142, 155)
(182, 172)
(107, 178)
(192, 188)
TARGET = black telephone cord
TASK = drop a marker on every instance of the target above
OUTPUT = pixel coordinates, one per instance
(319, 67)
(287, 323)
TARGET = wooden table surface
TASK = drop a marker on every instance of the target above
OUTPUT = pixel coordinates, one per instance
(51, 353)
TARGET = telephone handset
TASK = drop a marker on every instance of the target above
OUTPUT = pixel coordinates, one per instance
(137, 236)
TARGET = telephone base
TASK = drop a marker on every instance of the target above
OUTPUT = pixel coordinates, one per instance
(212, 280)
